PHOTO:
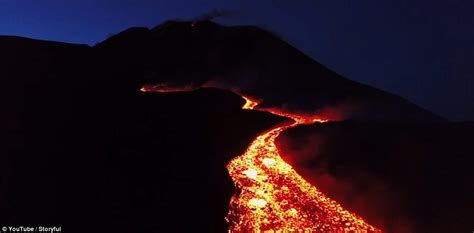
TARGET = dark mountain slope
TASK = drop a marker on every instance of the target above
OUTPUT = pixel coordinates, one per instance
(150, 164)
(403, 177)
(81, 146)
(256, 63)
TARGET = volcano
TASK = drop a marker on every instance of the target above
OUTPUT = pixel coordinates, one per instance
(256, 63)
(199, 127)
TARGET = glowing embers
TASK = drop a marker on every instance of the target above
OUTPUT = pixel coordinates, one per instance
(268, 162)
(257, 203)
(272, 197)
(250, 173)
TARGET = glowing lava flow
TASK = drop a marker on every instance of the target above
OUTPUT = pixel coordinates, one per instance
(272, 197)
(164, 88)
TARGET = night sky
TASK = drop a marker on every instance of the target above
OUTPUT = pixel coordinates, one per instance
(420, 50)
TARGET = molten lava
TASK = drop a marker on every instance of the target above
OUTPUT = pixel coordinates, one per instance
(272, 197)
(249, 104)
(164, 88)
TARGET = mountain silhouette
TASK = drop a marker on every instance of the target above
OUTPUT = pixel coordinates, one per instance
(256, 63)
(81, 146)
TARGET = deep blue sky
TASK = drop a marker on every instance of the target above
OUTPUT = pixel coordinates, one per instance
(422, 50)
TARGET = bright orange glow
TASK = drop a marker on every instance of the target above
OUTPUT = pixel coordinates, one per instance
(164, 88)
(272, 197)
(249, 103)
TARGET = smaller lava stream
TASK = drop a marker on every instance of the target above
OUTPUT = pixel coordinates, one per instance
(271, 197)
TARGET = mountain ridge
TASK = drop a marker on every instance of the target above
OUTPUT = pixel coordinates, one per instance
(250, 59)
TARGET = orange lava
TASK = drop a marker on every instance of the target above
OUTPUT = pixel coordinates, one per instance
(272, 197)
(165, 88)
(249, 103)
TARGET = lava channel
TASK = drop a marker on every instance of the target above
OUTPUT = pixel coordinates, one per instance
(273, 198)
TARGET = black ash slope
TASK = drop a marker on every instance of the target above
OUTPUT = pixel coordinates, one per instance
(82, 147)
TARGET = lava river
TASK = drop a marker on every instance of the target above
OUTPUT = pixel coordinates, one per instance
(272, 197)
